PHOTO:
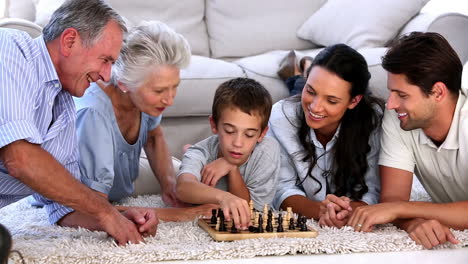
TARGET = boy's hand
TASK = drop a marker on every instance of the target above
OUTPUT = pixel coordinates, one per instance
(236, 207)
(215, 170)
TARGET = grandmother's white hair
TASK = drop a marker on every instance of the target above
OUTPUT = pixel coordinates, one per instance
(150, 44)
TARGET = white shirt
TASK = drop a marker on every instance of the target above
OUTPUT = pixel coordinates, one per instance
(443, 170)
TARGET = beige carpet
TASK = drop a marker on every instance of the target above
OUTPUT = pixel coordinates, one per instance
(40, 242)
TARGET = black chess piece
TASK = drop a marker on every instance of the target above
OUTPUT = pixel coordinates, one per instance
(298, 222)
(291, 224)
(260, 224)
(214, 219)
(233, 228)
(269, 226)
(280, 224)
(222, 224)
(304, 224)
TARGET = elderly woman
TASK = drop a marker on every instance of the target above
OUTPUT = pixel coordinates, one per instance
(116, 120)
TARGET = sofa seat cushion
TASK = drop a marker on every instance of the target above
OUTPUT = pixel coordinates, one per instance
(198, 84)
(243, 27)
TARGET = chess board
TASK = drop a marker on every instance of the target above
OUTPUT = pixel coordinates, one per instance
(205, 223)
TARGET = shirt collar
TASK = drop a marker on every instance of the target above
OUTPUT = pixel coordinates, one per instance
(451, 141)
(330, 144)
(50, 72)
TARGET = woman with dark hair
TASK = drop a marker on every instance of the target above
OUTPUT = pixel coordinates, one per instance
(330, 140)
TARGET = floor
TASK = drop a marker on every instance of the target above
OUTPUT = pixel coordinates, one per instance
(452, 256)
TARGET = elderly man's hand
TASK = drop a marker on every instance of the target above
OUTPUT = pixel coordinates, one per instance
(145, 219)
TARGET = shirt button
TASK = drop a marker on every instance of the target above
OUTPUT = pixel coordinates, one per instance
(57, 85)
(51, 103)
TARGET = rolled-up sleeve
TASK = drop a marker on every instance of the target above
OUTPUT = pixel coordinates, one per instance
(96, 148)
(16, 116)
(287, 181)
(193, 161)
(372, 177)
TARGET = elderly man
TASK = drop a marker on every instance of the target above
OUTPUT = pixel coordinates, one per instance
(38, 144)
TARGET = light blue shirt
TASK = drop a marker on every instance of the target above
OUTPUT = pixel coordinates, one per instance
(284, 128)
(108, 163)
(33, 107)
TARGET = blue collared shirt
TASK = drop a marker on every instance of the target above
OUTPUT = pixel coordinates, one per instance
(33, 107)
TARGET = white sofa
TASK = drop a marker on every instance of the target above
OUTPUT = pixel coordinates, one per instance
(249, 38)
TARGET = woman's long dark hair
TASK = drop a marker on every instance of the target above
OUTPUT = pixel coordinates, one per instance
(352, 145)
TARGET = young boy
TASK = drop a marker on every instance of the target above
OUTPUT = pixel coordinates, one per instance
(238, 163)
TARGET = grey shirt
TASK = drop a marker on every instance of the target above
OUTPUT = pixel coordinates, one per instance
(259, 171)
(283, 127)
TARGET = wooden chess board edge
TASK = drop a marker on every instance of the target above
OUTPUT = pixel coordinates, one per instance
(227, 236)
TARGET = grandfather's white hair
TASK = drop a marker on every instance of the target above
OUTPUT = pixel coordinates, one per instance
(150, 44)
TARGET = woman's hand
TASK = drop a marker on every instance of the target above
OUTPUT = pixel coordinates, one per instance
(335, 211)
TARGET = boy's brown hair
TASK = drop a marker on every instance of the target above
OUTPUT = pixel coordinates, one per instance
(246, 94)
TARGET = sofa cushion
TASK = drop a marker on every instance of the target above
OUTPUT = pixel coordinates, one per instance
(184, 16)
(243, 28)
(198, 84)
(363, 23)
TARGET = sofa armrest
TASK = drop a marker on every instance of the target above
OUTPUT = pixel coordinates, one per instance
(450, 25)
(21, 24)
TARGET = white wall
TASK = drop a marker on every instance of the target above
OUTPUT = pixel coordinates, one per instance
(2, 8)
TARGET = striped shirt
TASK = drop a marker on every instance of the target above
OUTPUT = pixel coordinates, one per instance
(33, 107)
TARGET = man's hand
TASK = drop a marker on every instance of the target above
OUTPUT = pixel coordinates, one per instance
(236, 207)
(429, 233)
(144, 218)
(120, 228)
(334, 211)
(215, 170)
(366, 217)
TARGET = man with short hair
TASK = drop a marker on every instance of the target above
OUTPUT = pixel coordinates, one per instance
(426, 134)
(38, 144)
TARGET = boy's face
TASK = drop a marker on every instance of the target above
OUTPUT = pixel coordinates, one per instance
(238, 134)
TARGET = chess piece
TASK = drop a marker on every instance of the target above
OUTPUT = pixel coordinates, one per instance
(252, 211)
(298, 222)
(265, 210)
(269, 226)
(222, 224)
(260, 224)
(285, 220)
(233, 228)
(218, 220)
(213, 216)
(280, 224)
(291, 224)
(304, 224)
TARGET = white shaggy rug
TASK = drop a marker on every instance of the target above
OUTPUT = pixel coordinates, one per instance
(40, 242)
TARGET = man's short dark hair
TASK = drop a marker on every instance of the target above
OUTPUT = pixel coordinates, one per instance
(425, 58)
(246, 94)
